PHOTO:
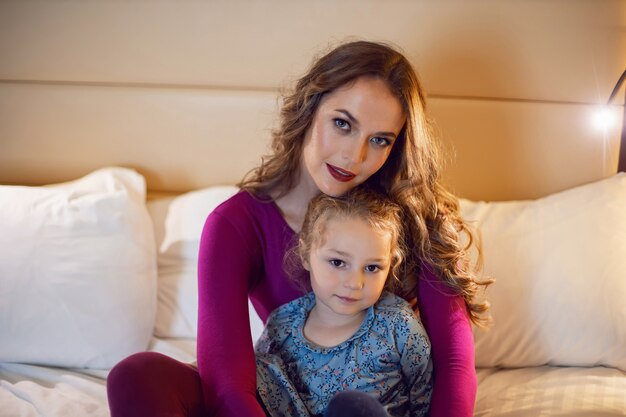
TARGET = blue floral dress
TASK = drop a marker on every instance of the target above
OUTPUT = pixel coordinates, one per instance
(388, 357)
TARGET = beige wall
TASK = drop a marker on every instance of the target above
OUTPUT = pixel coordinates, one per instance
(187, 91)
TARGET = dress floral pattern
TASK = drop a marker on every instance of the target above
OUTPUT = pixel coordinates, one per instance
(388, 357)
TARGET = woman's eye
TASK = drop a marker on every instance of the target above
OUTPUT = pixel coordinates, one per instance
(337, 263)
(383, 142)
(372, 268)
(342, 124)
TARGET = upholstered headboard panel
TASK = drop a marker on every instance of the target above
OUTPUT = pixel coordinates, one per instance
(187, 93)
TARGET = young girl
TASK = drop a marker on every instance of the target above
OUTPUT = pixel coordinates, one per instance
(358, 116)
(345, 335)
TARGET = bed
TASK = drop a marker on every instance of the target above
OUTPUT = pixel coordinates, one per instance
(122, 124)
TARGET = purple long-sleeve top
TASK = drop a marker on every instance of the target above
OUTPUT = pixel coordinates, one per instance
(242, 252)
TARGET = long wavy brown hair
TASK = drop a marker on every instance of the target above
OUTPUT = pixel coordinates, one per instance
(410, 176)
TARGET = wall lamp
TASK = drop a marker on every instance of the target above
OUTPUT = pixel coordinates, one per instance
(621, 165)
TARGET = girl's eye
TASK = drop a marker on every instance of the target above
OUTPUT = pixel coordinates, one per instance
(337, 263)
(342, 124)
(372, 268)
(382, 142)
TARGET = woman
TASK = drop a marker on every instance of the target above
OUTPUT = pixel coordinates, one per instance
(358, 116)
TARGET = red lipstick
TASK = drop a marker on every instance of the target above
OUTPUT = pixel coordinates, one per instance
(340, 174)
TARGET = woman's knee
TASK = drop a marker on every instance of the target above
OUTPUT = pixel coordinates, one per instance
(150, 383)
(136, 369)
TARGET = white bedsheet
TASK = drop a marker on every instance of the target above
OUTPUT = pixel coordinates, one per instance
(551, 391)
(39, 391)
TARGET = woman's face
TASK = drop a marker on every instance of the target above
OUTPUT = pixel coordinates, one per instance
(351, 136)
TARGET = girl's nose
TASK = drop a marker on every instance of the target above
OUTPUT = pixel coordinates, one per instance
(354, 281)
(355, 151)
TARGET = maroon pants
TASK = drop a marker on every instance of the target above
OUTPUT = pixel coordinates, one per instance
(155, 385)
(151, 384)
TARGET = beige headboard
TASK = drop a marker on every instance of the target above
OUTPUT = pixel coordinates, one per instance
(187, 92)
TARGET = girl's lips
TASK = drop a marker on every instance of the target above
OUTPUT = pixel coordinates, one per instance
(347, 299)
(340, 174)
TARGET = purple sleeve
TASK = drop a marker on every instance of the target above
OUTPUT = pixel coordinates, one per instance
(448, 326)
(225, 353)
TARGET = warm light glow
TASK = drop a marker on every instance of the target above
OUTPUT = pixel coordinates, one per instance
(605, 118)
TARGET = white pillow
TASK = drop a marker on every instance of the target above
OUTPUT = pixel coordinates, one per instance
(77, 271)
(178, 224)
(560, 266)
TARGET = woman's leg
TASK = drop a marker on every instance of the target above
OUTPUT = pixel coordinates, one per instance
(152, 384)
(354, 404)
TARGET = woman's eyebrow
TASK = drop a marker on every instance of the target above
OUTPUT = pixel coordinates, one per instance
(348, 115)
(354, 121)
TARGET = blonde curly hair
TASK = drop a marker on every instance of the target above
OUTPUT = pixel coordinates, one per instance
(375, 209)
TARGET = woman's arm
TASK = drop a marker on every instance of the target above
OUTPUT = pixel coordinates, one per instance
(225, 354)
(452, 346)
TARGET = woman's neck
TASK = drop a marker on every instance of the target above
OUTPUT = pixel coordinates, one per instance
(294, 203)
(293, 210)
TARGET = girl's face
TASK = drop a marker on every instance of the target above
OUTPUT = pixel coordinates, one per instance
(349, 267)
(351, 136)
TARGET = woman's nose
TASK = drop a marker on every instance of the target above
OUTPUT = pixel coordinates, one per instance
(355, 151)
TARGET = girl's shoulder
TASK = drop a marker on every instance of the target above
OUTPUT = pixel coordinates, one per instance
(390, 302)
(395, 312)
(287, 313)
(398, 321)
(284, 321)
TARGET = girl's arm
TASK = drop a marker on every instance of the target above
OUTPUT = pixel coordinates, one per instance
(452, 345)
(226, 360)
